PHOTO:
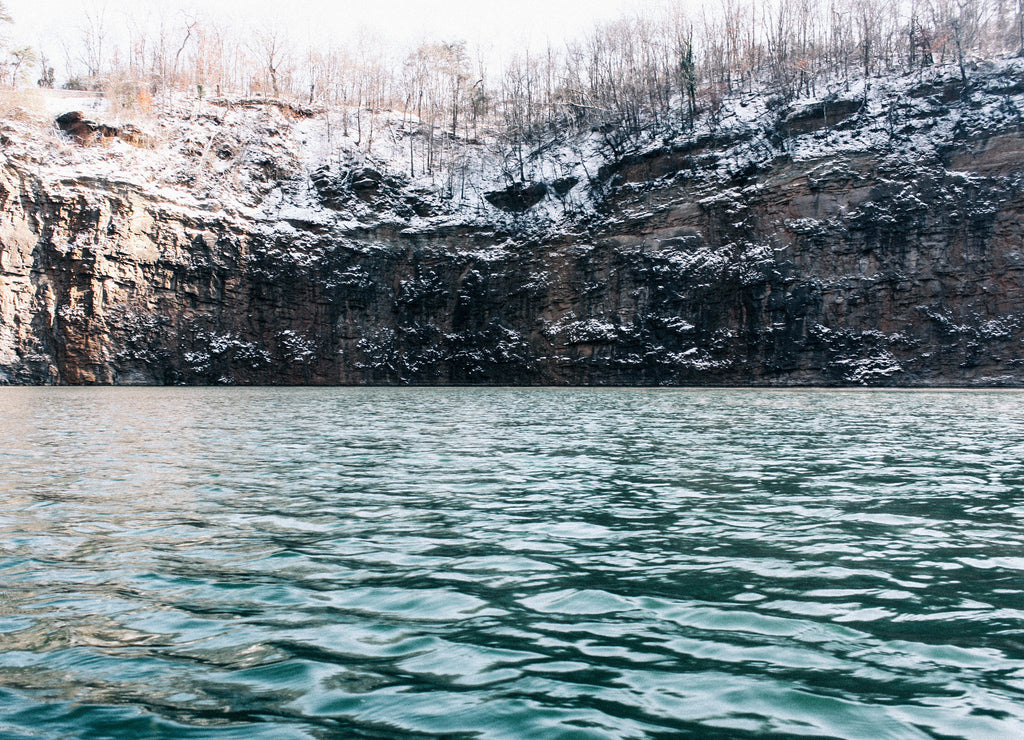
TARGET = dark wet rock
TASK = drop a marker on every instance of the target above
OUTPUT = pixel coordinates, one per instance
(336, 186)
(290, 109)
(946, 91)
(84, 131)
(77, 126)
(332, 190)
(822, 114)
(518, 197)
(563, 185)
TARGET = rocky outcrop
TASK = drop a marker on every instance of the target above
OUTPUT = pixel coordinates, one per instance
(830, 243)
(83, 131)
(517, 197)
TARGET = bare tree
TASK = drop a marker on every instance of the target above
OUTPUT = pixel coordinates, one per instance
(20, 61)
(1020, 27)
(633, 81)
(272, 49)
(961, 22)
(191, 25)
(93, 39)
(47, 77)
(686, 73)
(5, 19)
(455, 66)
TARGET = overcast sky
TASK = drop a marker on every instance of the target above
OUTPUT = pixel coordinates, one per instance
(499, 24)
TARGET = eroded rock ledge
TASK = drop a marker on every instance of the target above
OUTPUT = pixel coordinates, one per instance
(871, 239)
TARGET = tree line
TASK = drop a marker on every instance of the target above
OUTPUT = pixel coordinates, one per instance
(655, 71)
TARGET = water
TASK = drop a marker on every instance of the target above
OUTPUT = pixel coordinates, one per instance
(470, 563)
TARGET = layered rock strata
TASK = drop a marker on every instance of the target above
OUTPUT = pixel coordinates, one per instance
(865, 239)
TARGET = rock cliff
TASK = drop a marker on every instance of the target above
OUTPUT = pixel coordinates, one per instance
(872, 236)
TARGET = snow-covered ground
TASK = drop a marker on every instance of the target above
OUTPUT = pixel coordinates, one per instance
(257, 160)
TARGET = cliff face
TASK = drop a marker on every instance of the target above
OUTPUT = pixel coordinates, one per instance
(869, 238)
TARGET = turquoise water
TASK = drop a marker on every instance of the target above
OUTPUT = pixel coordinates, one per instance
(499, 563)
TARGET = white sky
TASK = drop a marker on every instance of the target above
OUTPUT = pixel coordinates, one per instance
(498, 25)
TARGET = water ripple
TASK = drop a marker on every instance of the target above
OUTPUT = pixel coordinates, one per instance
(470, 563)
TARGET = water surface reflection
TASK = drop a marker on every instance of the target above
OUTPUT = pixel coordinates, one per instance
(497, 563)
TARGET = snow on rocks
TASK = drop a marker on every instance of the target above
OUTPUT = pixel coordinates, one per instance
(290, 167)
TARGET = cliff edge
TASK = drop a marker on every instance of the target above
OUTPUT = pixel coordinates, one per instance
(873, 235)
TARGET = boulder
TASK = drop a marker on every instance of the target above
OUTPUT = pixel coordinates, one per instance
(83, 131)
(77, 126)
